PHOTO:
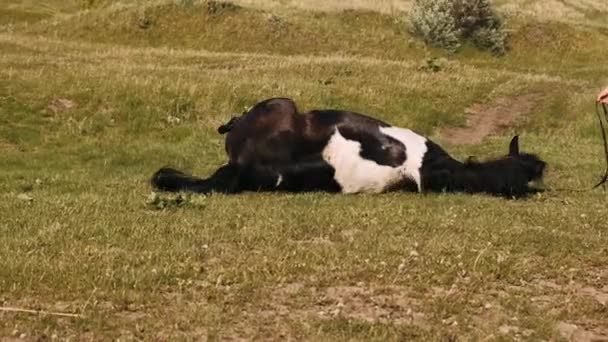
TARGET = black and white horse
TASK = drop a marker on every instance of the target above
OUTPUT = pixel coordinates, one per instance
(273, 147)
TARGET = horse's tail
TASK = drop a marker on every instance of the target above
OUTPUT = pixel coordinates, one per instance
(225, 128)
(225, 180)
(168, 179)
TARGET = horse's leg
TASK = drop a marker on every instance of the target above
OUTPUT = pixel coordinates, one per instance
(311, 173)
(257, 177)
(224, 180)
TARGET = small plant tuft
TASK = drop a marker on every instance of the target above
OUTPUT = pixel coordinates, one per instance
(449, 23)
(156, 201)
(186, 3)
(433, 64)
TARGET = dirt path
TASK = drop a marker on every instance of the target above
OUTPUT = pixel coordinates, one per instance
(485, 119)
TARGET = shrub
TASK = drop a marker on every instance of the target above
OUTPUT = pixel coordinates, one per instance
(471, 15)
(447, 23)
(433, 20)
(492, 39)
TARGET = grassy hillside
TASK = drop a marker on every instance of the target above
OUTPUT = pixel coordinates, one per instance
(93, 101)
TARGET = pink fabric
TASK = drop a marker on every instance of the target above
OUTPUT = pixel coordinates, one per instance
(603, 96)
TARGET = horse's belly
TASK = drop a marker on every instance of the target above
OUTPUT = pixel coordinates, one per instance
(355, 174)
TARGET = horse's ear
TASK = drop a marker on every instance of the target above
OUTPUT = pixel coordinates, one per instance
(514, 146)
(472, 160)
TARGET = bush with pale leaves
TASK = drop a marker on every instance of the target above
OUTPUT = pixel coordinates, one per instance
(448, 23)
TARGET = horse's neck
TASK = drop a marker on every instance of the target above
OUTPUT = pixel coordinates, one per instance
(310, 128)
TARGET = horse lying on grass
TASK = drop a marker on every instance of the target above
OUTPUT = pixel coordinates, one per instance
(273, 147)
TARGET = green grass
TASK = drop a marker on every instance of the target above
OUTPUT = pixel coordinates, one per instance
(273, 266)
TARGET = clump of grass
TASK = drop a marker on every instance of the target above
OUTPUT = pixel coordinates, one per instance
(219, 7)
(433, 64)
(180, 109)
(449, 23)
(91, 4)
(187, 3)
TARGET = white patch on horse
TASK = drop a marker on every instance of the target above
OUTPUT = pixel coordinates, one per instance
(356, 174)
(415, 149)
(279, 180)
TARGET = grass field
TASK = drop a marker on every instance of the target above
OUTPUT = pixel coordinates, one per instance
(93, 100)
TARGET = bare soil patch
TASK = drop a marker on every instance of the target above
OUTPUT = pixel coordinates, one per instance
(485, 119)
(377, 304)
(573, 332)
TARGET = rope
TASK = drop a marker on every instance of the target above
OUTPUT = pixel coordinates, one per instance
(599, 117)
(605, 140)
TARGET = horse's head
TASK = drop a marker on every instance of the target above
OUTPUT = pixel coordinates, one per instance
(532, 165)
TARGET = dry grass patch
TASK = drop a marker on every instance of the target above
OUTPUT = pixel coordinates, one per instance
(385, 6)
(84, 122)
